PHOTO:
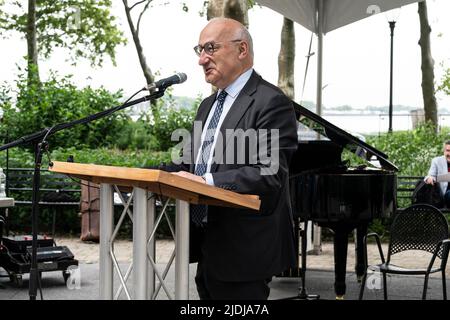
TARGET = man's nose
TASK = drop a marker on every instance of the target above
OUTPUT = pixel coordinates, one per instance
(203, 58)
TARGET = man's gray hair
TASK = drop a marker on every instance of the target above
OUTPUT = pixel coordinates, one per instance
(245, 35)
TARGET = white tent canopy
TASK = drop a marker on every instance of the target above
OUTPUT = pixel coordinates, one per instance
(322, 16)
(335, 13)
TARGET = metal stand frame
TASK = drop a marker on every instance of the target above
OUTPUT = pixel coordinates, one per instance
(302, 292)
(143, 266)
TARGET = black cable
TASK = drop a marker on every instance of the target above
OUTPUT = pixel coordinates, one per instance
(81, 183)
(135, 94)
(45, 143)
(48, 133)
(160, 195)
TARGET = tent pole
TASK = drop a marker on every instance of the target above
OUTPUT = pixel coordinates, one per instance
(319, 9)
(317, 237)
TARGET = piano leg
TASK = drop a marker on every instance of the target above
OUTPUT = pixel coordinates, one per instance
(360, 266)
(303, 294)
(341, 234)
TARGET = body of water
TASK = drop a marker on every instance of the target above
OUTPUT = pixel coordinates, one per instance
(377, 123)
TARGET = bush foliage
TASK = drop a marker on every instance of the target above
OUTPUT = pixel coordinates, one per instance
(412, 151)
(114, 140)
(57, 101)
(146, 141)
(154, 127)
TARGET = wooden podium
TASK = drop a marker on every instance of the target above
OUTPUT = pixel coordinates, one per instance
(144, 183)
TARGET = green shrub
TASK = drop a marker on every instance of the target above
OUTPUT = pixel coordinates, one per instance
(172, 114)
(68, 220)
(445, 85)
(56, 101)
(412, 151)
(113, 157)
(19, 158)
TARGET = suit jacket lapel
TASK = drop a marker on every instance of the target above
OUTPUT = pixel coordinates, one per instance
(237, 111)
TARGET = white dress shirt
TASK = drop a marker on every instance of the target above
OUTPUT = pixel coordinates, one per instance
(233, 91)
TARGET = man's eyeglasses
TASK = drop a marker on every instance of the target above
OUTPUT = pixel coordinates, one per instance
(210, 47)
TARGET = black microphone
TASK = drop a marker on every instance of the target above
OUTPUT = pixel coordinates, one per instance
(167, 82)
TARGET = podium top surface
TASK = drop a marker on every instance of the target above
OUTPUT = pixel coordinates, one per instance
(157, 181)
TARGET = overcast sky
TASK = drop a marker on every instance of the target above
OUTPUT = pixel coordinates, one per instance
(356, 57)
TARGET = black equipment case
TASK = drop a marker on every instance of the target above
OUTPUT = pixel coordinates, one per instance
(16, 254)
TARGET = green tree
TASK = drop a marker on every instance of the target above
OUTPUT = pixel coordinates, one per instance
(428, 91)
(445, 85)
(286, 59)
(58, 100)
(172, 116)
(411, 151)
(85, 27)
(32, 49)
(234, 9)
(135, 28)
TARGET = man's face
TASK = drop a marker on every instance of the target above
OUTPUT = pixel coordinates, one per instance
(222, 66)
(447, 152)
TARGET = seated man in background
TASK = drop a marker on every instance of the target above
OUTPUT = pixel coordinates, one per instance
(439, 166)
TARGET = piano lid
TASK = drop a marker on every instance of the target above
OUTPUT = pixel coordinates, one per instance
(325, 129)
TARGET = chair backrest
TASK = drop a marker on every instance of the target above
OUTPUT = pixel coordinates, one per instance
(418, 227)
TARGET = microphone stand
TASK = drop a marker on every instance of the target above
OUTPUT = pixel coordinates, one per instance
(38, 139)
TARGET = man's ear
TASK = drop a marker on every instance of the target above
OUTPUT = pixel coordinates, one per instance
(243, 49)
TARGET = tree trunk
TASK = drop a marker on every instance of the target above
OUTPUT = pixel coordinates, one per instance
(286, 59)
(149, 78)
(215, 9)
(237, 10)
(32, 53)
(234, 9)
(428, 92)
(137, 42)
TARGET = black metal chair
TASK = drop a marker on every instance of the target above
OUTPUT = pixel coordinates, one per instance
(418, 227)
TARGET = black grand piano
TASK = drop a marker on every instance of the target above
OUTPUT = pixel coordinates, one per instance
(327, 191)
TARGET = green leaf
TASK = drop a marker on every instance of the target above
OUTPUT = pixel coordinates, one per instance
(85, 28)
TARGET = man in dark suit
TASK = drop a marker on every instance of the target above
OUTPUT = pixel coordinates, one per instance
(249, 133)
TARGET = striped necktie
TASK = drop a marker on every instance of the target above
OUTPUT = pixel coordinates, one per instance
(198, 212)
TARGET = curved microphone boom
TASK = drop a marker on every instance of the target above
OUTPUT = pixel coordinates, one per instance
(167, 82)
